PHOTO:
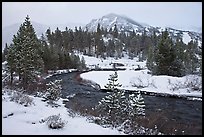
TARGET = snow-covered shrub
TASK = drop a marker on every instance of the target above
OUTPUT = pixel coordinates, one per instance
(54, 121)
(193, 82)
(175, 86)
(132, 128)
(139, 83)
(53, 91)
(102, 121)
(40, 94)
(21, 98)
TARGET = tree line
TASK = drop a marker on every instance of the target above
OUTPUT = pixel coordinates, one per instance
(27, 56)
(163, 54)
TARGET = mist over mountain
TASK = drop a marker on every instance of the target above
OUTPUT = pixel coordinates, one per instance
(9, 31)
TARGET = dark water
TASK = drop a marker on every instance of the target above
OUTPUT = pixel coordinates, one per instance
(171, 115)
(183, 115)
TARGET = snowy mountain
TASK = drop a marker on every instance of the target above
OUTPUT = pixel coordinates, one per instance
(127, 24)
(186, 35)
(108, 21)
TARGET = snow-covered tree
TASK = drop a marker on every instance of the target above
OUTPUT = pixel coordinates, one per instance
(191, 61)
(114, 103)
(166, 59)
(10, 57)
(23, 55)
(135, 105)
(116, 108)
(54, 90)
(113, 85)
(83, 63)
(140, 105)
(115, 31)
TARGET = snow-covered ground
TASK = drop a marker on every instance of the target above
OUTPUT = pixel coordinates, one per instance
(25, 120)
(93, 62)
(186, 38)
(140, 79)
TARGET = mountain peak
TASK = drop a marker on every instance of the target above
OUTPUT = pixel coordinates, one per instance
(112, 16)
(108, 21)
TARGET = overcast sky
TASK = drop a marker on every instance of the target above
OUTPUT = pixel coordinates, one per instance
(179, 14)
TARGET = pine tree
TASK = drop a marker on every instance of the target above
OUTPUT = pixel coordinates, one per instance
(53, 92)
(115, 31)
(60, 60)
(113, 85)
(58, 40)
(114, 103)
(10, 57)
(66, 40)
(98, 42)
(140, 105)
(150, 59)
(67, 61)
(98, 29)
(191, 62)
(5, 52)
(50, 37)
(3, 57)
(46, 55)
(27, 60)
(165, 57)
(110, 48)
(135, 105)
(180, 55)
(83, 63)
(117, 107)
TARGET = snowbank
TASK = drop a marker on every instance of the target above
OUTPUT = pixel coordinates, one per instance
(141, 80)
(20, 120)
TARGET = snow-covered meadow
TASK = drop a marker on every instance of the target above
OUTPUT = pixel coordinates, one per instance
(93, 62)
(131, 79)
(20, 120)
(141, 80)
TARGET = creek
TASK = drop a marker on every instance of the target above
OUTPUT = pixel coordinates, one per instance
(171, 114)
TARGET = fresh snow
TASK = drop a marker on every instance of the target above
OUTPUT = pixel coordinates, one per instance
(23, 119)
(186, 38)
(140, 79)
(20, 123)
(62, 71)
(93, 62)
